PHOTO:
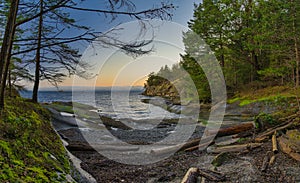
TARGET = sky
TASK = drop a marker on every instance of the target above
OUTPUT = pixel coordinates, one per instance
(112, 66)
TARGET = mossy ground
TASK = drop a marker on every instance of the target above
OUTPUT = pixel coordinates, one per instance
(275, 94)
(30, 150)
(285, 98)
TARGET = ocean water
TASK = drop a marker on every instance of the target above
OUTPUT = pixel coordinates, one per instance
(119, 104)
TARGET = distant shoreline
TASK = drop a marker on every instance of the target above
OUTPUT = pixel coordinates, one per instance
(85, 88)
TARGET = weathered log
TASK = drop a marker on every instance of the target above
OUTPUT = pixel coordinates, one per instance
(261, 139)
(290, 118)
(233, 148)
(109, 123)
(226, 140)
(243, 134)
(88, 147)
(166, 149)
(211, 175)
(284, 146)
(181, 147)
(294, 138)
(272, 160)
(272, 130)
(233, 129)
(191, 176)
(274, 143)
(203, 179)
(199, 146)
(265, 163)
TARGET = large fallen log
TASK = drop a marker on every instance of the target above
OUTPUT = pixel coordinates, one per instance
(109, 123)
(271, 131)
(243, 127)
(194, 144)
(285, 147)
(294, 138)
(243, 134)
(211, 175)
(87, 147)
(233, 148)
(193, 173)
(199, 146)
(191, 176)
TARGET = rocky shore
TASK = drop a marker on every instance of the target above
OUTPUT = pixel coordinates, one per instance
(243, 166)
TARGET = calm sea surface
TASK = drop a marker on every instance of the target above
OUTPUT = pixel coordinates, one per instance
(121, 104)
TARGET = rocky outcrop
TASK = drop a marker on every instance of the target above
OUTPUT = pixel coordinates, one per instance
(166, 90)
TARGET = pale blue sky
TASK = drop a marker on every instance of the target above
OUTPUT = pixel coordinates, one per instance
(181, 15)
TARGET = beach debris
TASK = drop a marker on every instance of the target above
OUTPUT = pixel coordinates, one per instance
(265, 163)
(265, 135)
(272, 160)
(66, 114)
(113, 124)
(233, 148)
(198, 143)
(211, 175)
(274, 143)
(79, 146)
(201, 146)
(193, 174)
(243, 127)
(226, 140)
(290, 144)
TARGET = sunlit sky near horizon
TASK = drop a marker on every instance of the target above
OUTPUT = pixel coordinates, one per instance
(119, 69)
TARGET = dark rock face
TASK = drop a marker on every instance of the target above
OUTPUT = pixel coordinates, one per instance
(165, 90)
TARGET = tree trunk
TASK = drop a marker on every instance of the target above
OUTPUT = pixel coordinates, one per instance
(243, 127)
(297, 61)
(38, 57)
(9, 83)
(191, 176)
(222, 61)
(6, 48)
(296, 47)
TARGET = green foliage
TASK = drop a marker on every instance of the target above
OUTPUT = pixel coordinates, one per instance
(62, 108)
(155, 80)
(263, 120)
(242, 140)
(253, 40)
(30, 151)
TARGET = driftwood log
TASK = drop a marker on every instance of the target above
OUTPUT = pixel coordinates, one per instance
(243, 127)
(271, 131)
(265, 163)
(211, 175)
(191, 176)
(243, 134)
(233, 148)
(274, 143)
(272, 160)
(87, 147)
(193, 173)
(199, 146)
(190, 145)
(284, 144)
